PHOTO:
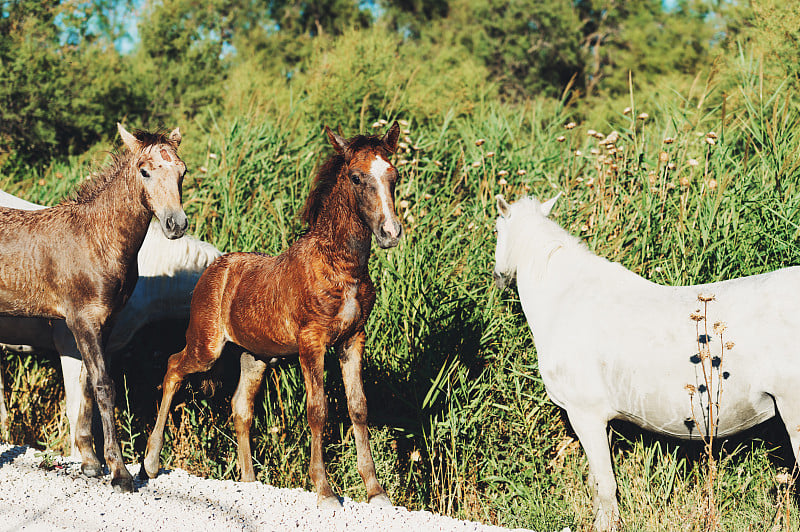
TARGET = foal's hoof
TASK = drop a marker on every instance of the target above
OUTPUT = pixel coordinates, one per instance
(329, 503)
(122, 485)
(380, 499)
(92, 470)
(149, 467)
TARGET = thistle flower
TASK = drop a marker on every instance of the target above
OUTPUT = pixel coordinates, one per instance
(480, 142)
(561, 138)
(705, 298)
(570, 125)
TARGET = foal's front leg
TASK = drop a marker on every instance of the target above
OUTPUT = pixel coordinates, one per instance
(87, 337)
(312, 362)
(350, 354)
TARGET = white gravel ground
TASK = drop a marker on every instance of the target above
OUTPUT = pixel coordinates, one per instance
(32, 498)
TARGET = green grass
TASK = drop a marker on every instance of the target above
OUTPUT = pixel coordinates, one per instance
(461, 422)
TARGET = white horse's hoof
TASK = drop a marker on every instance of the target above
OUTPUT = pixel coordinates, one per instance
(329, 503)
(380, 500)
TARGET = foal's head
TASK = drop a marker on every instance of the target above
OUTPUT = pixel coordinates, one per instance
(154, 158)
(372, 179)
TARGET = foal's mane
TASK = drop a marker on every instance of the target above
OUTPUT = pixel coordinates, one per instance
(90, 189)
(328, 174)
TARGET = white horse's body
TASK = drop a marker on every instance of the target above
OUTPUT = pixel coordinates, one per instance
(168, 272)
(613, 345)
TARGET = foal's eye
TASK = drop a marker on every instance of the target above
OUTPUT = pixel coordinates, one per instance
(144, 172)
(355, 178)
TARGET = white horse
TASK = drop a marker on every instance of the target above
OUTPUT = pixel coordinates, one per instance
(613, 345)
(168, 271)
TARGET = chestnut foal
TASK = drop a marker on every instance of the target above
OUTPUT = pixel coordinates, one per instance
(77, 262)
(316, 294)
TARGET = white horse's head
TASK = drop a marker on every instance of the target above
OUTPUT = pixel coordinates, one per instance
(505, 262)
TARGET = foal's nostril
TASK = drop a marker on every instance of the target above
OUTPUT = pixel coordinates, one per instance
(170, 223)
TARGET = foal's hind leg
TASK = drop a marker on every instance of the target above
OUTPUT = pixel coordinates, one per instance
(87, 337)
(251, 376)
(199, 355)
(350, 355)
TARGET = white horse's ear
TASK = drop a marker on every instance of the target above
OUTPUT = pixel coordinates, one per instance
(547, 206)
(175, 136)
(502, 206)
(128, 139)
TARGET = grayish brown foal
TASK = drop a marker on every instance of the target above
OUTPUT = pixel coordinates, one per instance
(315, 295)
(77, 262)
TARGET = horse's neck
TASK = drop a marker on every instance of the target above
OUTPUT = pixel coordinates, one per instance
(341, 234)
(121, 218)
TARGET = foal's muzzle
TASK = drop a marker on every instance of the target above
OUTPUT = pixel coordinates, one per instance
(389, 234)
(499, 280)
(174, 225)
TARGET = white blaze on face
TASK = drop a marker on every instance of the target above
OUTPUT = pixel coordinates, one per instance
(378, 168)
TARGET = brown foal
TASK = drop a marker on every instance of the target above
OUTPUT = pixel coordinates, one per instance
(316, 294)
(77, 262)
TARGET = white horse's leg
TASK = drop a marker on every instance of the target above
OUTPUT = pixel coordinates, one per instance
(592, 431)
(789, 409)
(71, 369)
(3, 411)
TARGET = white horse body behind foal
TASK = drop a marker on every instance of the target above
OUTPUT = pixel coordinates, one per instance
(168, 272)
(613, 345)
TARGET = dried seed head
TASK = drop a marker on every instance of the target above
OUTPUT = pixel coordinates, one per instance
(692, 162)
(696, 316)
(670, 186)
(711, 135)
(599, 136)
(684, 181)
(502, 173)
(402, 145)
(521, 172)
(383, 122)
(710, 141)
(41, 182)
(712, 184)
(671, 166)
(489, 154)
(612, 137)
(502, 182)
(729, 345)
(669, 140)
(570, 125)
(643, 116)
(705, 298)
(783, 478)
(585, 227)
(590, 182)
(480, 142)
(427, 195)
(403, 204)
(690, 388)
(437, 163)
(627, 111)
(561, 138)
(591, 132)
(376, 125)
(408, 139)
(578, 153)
(719, 327)
(594, 151)
(663, 157)
(415, 456)
(476, 164)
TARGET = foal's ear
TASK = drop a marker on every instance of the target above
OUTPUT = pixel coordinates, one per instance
(390, 138)
(338, 142)
(502, 206)
(175, 136)
(547, 206)
(129, 140)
